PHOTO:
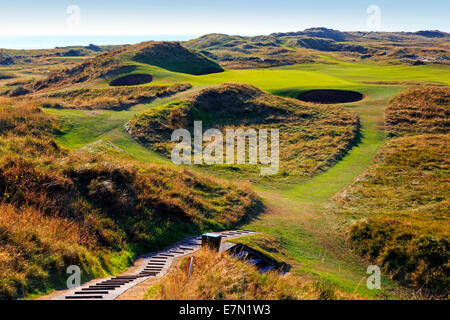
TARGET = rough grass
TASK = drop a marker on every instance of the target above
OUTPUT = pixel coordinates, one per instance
(419, 110)
(172, 56)
(403, 198)
(404, 195)
(312, 137)
(218, 276)
(110, 98)
(167, 55)
(24, 118)
(114, 205)
(60, 208)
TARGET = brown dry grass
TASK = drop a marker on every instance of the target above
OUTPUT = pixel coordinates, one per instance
(59, 208)
(404, 198)
(218, 276)
(110, 98)
(312, 137)
(419, 110)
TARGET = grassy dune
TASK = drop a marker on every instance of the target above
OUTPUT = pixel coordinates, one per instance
(92, 208)
(418, 111)
(400, 203)
(312, 137)
(110, 98)
(301, 225)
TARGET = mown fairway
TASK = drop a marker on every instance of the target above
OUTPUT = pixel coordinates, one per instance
(298, 225)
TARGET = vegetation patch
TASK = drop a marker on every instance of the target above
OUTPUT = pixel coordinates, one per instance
(312, 137)
(330, 96)
(419, 110)
(110, 98)
(94, 210)
(403, 197)
(218, 276)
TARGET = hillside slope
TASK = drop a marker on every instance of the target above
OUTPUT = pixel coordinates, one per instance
(92, 209)
(307, 46)
(400, 204)
(167, 55)
(419, 110)
(312, 137)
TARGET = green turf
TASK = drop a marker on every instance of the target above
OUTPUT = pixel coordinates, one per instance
(311, 75)
(303, 222)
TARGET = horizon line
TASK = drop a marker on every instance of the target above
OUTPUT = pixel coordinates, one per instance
(200, 34)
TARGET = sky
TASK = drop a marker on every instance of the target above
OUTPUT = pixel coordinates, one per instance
(198, 17)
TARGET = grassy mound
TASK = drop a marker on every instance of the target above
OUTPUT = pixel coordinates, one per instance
(168, 55)
(95, 211)
(218, 276)
(110, 98)
(419, 110)
(173, 56)
(238, 52)
(312, 137)
(403, 197)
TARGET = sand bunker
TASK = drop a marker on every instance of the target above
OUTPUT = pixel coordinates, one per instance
(132, 80)
(329, 96)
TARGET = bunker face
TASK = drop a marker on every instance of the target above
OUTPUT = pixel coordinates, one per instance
(132, 80)
(329, 96)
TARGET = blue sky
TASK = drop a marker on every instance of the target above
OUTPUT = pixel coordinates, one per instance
(196, 17)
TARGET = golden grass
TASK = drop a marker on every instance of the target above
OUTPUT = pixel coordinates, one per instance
(403, 199)
(312, 137)
(419, 110)
(218, 276)
(109, 98)
(59, 208)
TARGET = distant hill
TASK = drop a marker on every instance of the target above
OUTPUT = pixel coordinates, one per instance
(167, 55)
(432, 33)
(324, 33)
(285, 48)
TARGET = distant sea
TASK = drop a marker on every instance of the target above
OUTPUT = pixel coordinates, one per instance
(50, 42)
